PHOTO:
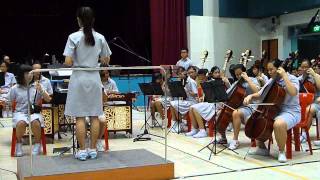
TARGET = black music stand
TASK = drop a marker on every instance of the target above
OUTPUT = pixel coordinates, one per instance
(215, 93)
(148, 89)
(177, 91)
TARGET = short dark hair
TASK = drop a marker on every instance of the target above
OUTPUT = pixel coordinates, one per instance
(185, 49)
(104, 65)
(214, 68)
(23, 68)
(37, 62)
(307, 61)
(202, 71)
(239, 66)
(7, 64)
(156, 76)
(234, 67)
(193, 67)
(180, 69)
(276, 63)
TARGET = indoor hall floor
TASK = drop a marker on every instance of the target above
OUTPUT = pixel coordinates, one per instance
(189, 163)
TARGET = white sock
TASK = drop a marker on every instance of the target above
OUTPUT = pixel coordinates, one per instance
(202, 130)
(194, 130)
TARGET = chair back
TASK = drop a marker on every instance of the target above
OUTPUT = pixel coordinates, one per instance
(306, 99)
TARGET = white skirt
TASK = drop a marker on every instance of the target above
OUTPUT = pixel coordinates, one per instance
(182, 106)
(19, 116)
(163, 102)
(206, 110)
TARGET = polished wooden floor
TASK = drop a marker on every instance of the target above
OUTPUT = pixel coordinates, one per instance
(189, 163)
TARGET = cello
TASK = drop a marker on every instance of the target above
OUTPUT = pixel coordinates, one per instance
(260, 125)
(235, 99)
(307, 86)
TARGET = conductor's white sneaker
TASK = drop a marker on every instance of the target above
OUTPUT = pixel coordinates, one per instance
(36, 149)
(19, 152)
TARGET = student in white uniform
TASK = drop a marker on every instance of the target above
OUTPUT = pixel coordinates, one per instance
(109, 86)
(290, 113)
(84, 98)
(257, 72)
(158, 101)
(242, 114)
(185, 61)
(182, 106)
(206, 110)
(18, 94)
(314, 108)
(10, 80)
(45, 82)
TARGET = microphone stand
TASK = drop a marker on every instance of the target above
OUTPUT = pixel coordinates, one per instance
(128, 50)
(143, 59)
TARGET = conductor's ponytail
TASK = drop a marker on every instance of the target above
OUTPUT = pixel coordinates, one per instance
(86, 17)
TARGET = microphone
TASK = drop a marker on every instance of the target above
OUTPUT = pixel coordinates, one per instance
(114, 39)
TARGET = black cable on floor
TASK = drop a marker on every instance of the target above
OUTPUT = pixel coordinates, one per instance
(248, 169)
(232, 170)
(9, 171)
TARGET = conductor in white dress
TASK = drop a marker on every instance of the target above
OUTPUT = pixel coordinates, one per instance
(83, 49)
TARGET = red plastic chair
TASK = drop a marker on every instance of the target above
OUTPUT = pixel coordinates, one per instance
(306, 99)
(189, 124)
(14, 138)
(169, 117)
(211, 125)
(14, 142)
(106, 139)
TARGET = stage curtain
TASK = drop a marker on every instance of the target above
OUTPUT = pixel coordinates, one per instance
(168, 30)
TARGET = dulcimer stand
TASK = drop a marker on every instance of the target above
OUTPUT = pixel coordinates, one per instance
(215, 93)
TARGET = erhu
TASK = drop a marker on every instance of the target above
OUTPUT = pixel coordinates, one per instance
(204, 57)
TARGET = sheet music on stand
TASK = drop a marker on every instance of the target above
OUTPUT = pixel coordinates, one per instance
(215, 92)
(148, 89)
(177, 89)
